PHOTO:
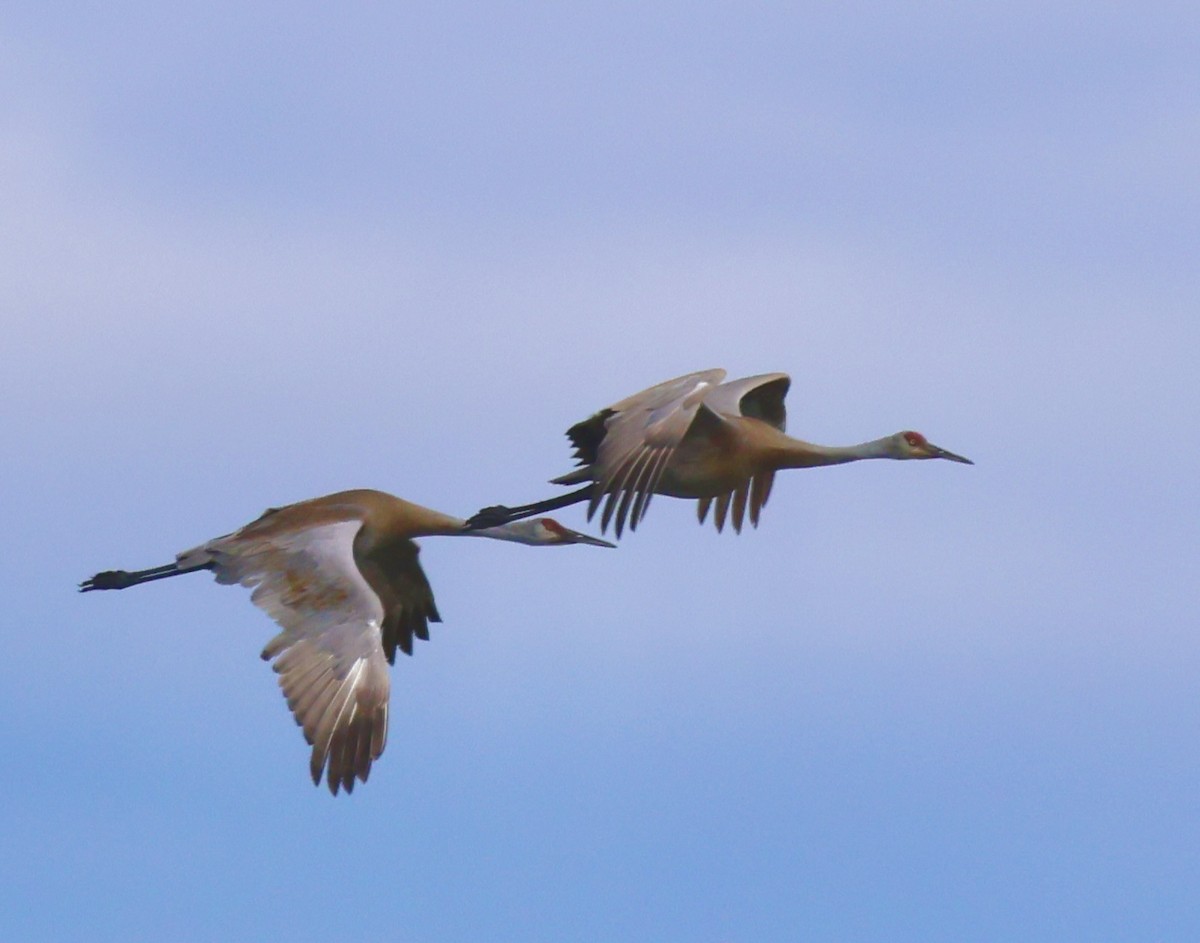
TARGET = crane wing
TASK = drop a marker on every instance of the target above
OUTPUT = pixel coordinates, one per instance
(397, 578)
(641, 434)
(757, 397)
(751, 494)
(329, 656)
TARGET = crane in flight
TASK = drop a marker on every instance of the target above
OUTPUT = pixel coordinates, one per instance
(696, 437)
(340, 575)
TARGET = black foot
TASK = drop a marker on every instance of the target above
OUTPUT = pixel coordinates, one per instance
(494, 516)
(109, 579)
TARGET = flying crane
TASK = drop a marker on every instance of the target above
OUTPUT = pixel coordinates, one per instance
(340, 575)
(697, 437)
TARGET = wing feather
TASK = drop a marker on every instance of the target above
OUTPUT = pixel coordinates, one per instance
(757, 397)
(626, 493)
(760, 490)
(329, 657)
(739, 505)
(395, 574)
(645, 491)
(614, 488)
(627, 447)
(641, 433)
(720, 512)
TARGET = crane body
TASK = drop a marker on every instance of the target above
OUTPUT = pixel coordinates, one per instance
(340, 575)
(697, 437)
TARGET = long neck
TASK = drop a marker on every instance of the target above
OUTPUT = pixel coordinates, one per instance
(794, 453)
(443, 525)
(521, 532)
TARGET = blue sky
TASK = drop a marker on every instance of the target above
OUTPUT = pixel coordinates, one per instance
(255, 253)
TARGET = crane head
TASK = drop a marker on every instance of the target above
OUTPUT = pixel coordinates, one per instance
(549, 531)
(909, 444)
(534, 531)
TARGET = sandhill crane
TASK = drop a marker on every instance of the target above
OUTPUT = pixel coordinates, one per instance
(696, 437)
(340, 576)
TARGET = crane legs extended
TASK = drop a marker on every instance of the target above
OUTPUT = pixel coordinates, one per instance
(123, 579)
(499, 514)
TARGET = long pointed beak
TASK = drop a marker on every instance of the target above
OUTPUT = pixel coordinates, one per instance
(575, 537)
(936, 452)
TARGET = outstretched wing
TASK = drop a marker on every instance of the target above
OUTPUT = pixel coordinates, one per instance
(758, 397)
(329, 656)
(641, 433)
(395, 574)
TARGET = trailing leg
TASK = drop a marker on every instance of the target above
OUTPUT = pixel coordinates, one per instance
(499, 514)
(123, 579)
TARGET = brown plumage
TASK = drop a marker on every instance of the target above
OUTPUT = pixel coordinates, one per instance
(696, 437)
(341, 577)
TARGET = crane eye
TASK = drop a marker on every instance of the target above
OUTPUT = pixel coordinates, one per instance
(914, 439)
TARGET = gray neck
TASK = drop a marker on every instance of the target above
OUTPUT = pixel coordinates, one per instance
(808, 455)
(521, 532)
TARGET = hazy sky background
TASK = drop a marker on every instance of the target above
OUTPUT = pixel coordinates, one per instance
(254, 253)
